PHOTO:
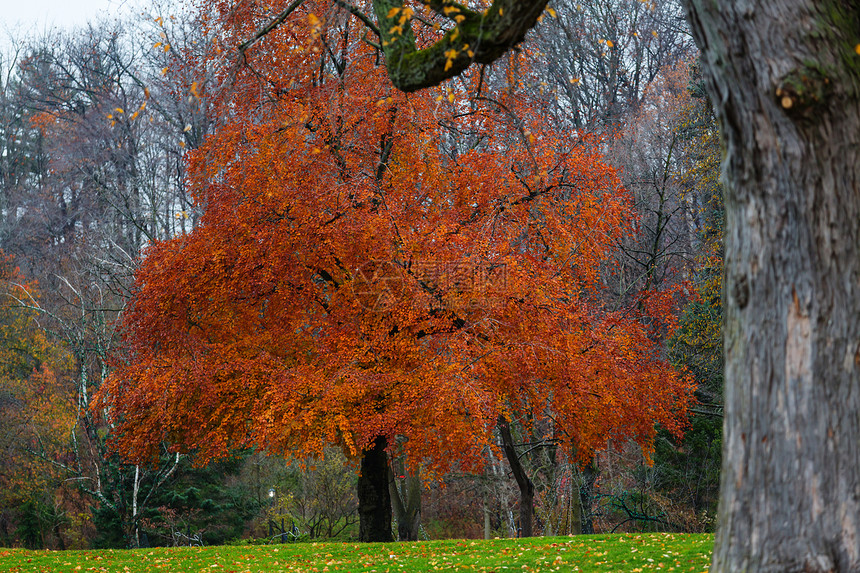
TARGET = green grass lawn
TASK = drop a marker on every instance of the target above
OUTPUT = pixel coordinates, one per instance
(636, 552)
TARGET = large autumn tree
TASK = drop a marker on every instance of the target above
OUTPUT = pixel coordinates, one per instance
(373, 265)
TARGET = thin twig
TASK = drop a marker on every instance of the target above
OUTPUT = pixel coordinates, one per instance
(269, 27)
(360, 15)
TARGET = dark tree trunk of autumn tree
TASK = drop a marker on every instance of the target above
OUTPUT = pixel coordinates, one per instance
(374, 500)
(527, 488)
(586, 497)
(785, 78)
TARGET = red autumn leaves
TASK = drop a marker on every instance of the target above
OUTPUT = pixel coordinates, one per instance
(371, 263)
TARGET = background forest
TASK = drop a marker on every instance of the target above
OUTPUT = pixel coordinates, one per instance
(104, 134)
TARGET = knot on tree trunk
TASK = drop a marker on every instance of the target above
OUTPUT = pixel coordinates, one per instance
(803, 90)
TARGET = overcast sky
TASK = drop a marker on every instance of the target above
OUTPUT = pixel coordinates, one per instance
(34, 16)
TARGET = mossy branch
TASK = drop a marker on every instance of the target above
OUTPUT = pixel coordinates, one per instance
(475, 37)
(480, 37)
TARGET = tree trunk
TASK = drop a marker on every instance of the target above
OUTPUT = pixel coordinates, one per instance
(575, 517)
(586, 497)
(406, 501)
(135, 521)
(785, 80)
(527, 488)
(374, 501)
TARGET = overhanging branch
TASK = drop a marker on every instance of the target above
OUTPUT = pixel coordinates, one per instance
(480, 37)
(475, 37)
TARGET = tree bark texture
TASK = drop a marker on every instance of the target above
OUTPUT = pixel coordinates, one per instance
(784, 76)
(527, 488)
(374, 501)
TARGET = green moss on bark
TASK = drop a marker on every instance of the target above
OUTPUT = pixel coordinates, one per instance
(806, 88)
(840, 26)
(480, 38)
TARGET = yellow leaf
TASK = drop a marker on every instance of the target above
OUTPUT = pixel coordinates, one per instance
(459, 18)
(392, 13)
(857, 49)
(551, 12)
(451, 97)
(119, 110)
(609, 43)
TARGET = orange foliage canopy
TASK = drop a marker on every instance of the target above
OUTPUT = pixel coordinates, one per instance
(362, 270)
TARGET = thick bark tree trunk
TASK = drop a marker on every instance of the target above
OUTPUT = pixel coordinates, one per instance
(785, 79)
(527, 488)
(374, 501)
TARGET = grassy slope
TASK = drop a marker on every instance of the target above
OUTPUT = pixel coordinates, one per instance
(634, 553)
